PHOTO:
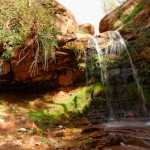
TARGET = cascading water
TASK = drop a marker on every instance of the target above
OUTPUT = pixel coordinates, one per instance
(94, 43)
(103, 67)
(116, 46)
(135, 75)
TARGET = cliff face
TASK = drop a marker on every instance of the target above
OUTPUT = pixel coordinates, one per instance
(64, 69)
(121, 15)
(132, 19)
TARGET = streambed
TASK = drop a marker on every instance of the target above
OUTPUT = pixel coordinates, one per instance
(122, 135)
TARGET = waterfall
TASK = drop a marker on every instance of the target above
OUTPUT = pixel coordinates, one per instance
(135, 74)
(116, 46)
(94, 43)
(103, 67)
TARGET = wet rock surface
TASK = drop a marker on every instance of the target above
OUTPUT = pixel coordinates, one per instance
(87, 138)
(130, 135)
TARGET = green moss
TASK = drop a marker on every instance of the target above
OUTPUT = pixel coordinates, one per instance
(128, 95)
(76, 106)
(42, 116)
(130, 28)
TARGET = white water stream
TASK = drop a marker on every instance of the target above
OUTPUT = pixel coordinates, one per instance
(116, 46)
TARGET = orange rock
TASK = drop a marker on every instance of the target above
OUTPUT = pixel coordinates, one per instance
(84, 121)
(87, 28)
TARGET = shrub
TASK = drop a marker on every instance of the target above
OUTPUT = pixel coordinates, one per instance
(23, 19)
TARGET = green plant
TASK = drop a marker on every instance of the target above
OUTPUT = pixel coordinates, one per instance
(133, 11)
(146, 89)
(118, 23)
(139, 43)
(130, 28)
(21, 23)
(144, 38)
(133, 47)
(127, 15)
(144, 70)
(42, 118)
(74, 107)
(77, 46)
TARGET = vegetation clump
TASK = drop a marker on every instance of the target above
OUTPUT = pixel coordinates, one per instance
(72, 108)
(21, 20)
(127, 15)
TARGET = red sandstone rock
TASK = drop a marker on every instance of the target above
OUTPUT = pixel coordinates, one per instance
(87, 28)
(61, 71)
(107, 22)
(67, 78)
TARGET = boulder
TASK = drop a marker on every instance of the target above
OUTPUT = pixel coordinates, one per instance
(65, 22)
(87, 28)
(63, 39)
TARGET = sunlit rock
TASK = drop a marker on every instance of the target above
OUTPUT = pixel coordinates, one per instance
(87, 28)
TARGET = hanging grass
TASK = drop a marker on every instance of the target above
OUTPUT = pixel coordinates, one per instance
(28, 19)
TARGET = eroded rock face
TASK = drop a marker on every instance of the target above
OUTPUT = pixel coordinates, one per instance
(64, 69)
(107, 23)
(66, 21)
(67, 78)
